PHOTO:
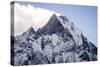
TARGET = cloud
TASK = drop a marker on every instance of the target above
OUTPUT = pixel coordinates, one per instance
(28, 15)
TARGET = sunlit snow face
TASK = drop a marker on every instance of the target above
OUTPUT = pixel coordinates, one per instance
(26, 16)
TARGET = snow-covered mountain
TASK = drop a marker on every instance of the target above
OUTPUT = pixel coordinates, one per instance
(59, 41)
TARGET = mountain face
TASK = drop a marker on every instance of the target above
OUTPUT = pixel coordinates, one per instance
(59, 41)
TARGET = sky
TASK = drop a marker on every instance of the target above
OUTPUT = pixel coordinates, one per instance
(34, 14)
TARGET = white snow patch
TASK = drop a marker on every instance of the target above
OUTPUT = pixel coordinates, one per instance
(54, 39)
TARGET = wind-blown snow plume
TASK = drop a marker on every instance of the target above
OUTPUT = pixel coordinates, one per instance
(28, 15)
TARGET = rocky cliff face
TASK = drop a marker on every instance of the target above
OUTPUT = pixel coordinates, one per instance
(59, 41)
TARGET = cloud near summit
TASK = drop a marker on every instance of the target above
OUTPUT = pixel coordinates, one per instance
(29, 16)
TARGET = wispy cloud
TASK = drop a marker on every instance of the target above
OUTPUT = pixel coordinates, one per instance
(28, 15)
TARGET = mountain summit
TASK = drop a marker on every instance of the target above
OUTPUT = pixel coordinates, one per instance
(59, 41)
(53, 26)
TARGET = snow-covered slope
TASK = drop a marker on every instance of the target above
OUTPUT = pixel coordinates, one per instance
(59, 41)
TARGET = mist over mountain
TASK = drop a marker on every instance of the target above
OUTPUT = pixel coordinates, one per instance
(58, 41)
